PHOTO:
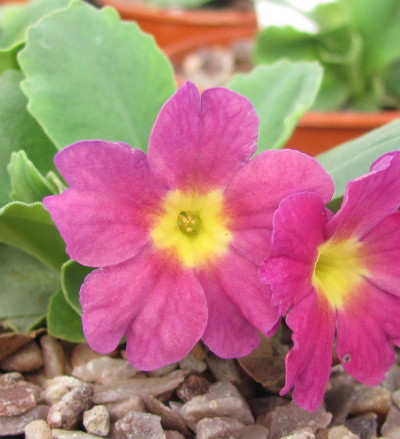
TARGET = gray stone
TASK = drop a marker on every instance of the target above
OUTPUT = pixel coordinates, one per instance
(105, 370)
(72, 434)
(214, 428)
(38, 429)
(162, 371)
(391, 426)
(286, 419)
(13, 425)
(53, 356)
(170, 419)
(122, 390)
(25, 359)
(97, 420)
(55, 388)
(120, 409)
(82, 353)
(18, 398)
(261, 406)
(67, 412)
(365, 426)
(192, 364)
(254, 431)
(10, 378)
(341, 432)
(222, 400)
(305, 433)
(339, 399)
(371, 399)
(396, 398)
(170, 434)
(193, 385)
(392, 379)
(137, 425)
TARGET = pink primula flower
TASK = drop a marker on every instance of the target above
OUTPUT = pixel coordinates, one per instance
(339, 273)
(179, 233)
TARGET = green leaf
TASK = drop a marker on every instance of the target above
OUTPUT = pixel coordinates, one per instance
(354, 158)
(378, 24)
(18, 130)
(26, 286)
(29, 227)
(281, 94)
(27, 183)
(89, 75)
(15, 20)
(62, 321)
(8, 59)
(72, 277)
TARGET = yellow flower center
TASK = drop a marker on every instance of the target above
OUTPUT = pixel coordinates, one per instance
(339, 270)
(194, 226)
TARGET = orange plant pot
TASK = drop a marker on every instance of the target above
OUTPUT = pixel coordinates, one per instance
(178, 31)
(318, 132)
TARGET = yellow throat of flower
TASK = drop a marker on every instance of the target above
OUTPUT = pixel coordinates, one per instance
(193, 226)
(339, 270)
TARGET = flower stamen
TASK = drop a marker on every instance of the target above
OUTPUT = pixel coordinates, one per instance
(189, 223)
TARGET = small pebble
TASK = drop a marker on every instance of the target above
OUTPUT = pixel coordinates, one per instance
(170, 434)
(371, 399)
(192, 364)
(104, 370)
(38, 429)
(215, 428)
(13, 425)
(391, 426)
(254, 431)
(72, 434)
(193, 385)
(305, 433)
(120, 409)
(55, 388)
(365, 426)
(10, 378)
(341, 432)
(53, 356)
(137, 425)
(67, 412)
(82, 353)
(25, 359)
(18, 398)
(97, 420)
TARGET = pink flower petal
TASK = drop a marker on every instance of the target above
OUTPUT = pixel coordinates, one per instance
(298, 231)
(228, 333)
(256, 190)
(202, 140)
(382, 254)
(105, 216)
(368, 199)
(160, 306)
(170, 322)
(308, 364)
(366, 327)
(238, 279)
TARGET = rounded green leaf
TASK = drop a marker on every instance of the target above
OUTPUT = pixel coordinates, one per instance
(89, 75)
(281, 94)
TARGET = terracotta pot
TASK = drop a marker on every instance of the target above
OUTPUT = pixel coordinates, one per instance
(183, 31)
(318, 132)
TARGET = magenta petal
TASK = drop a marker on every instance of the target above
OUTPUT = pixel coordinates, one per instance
(202, 140)
(170, 322)
(368, 199)
(308, 364)
(238, 278)
(382, 254)
(161, 308)
(256, 190)
(298, 231)
(366, 328)
(228, 333)
(105, 216)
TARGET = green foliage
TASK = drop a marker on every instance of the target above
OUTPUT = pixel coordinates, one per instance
(19, 130)
(72, 277)
(354, 158)
(26, 286)
(357, 43)
(91, 76)
(62, 321)
(281, 94)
